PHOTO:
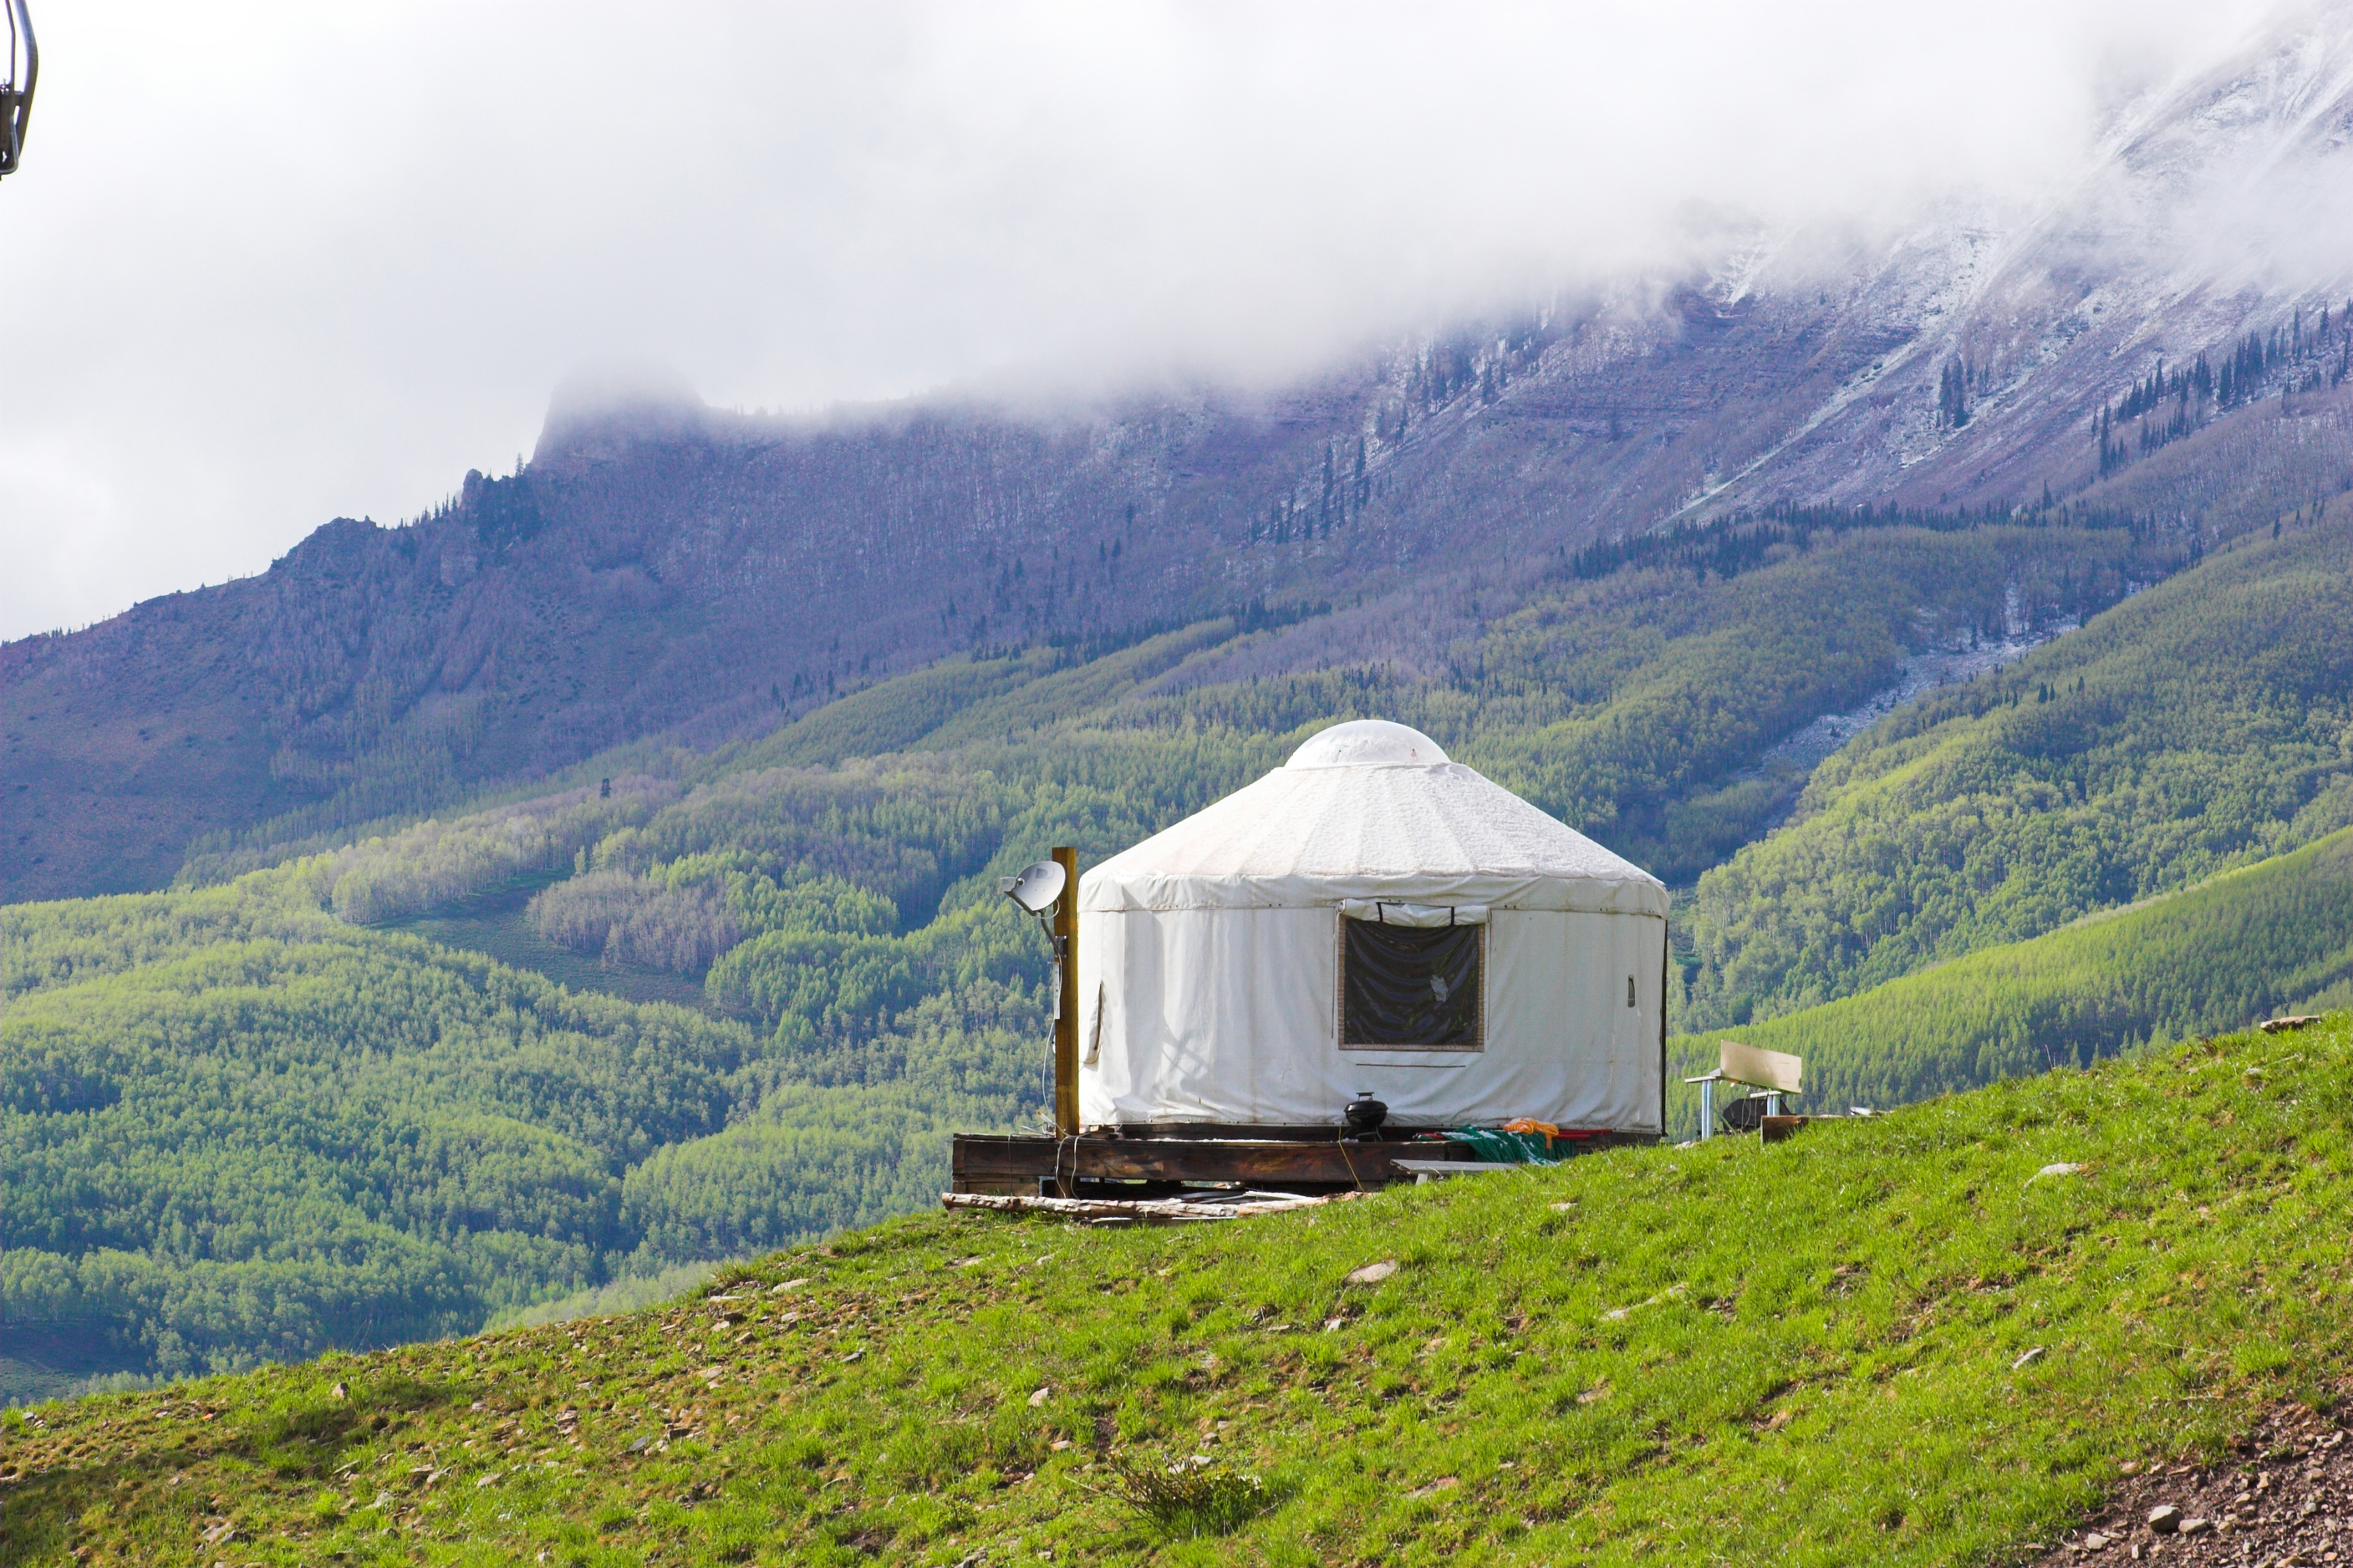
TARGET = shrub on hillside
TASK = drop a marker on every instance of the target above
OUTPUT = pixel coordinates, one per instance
(643, 921)
(407, 873)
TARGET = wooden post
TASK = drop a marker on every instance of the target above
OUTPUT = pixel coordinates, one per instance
(1066, 1015)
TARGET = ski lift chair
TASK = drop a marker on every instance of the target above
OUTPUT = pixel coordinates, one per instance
(17, 73)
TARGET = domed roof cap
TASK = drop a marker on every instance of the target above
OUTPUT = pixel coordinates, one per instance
(1368, 743)
(1371, 810)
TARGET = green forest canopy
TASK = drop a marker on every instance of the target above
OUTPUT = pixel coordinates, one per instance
(2271, 937)
(2205, 723)
(235, 1128)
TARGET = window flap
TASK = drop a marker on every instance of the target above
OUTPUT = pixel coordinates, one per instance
(1382, 912)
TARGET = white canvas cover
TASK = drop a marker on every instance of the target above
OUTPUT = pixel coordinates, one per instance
(1210, 954)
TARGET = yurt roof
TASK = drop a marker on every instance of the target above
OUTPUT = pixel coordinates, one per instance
(1369, 809)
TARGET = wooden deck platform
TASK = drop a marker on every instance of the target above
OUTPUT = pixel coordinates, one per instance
(1291, 1160)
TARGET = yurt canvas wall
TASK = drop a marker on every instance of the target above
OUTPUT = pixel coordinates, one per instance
(1313, 936)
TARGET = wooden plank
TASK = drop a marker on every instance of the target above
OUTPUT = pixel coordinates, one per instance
(1001, 1185)
(1426, 1171)
(975, 1160)
(1015, 1164)
(1169, 1160)
(1458, 1167)
(1008, 1165)
(1760, 1067)
(1150, 1211)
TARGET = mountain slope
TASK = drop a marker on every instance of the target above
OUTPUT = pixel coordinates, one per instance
(236, 1129)
(2202, 724)
(2273, 937)
(1621, 689)
(1901, 1342)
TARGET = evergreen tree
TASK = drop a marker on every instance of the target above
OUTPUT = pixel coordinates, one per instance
(1953, 394)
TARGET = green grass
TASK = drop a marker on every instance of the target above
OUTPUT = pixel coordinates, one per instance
(1819, 1351)
(2239, 947)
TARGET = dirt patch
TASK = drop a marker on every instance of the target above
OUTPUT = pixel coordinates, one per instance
(2283, 1499)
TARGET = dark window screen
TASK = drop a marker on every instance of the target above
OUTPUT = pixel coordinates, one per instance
(1410, 985)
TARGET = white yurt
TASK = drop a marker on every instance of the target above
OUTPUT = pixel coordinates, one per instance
(1372, 917)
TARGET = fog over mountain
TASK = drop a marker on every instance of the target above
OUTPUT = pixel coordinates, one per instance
(2167, 334)
(267, 265)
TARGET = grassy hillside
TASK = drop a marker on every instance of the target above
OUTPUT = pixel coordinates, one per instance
(2202, 725)
(2271, 937)
(1931, 1339)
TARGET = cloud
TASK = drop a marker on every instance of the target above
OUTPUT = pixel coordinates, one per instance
(271, 263)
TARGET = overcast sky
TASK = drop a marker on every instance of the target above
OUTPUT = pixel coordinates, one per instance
(270, 264)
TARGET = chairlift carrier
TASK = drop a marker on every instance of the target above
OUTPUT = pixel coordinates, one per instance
(18, 72)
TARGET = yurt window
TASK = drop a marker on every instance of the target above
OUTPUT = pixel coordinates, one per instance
(1418, 985)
